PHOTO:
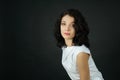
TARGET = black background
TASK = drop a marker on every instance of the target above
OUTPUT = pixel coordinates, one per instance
(27, 46)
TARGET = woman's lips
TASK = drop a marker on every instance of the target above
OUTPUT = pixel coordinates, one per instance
(67, 33)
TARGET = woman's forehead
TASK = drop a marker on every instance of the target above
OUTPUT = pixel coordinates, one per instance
(67, 18)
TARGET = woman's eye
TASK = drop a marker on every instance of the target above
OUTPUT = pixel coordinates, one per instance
(62, 23)
(72, 25)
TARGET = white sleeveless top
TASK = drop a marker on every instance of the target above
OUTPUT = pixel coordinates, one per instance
(69, 55)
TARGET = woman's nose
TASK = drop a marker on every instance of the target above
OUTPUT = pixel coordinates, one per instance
(67, 28)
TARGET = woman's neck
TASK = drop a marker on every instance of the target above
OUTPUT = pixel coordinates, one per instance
(69, 42)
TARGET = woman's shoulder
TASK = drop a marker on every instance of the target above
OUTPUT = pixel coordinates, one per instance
(82, 48)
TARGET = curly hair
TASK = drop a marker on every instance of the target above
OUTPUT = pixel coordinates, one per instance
(80, 26)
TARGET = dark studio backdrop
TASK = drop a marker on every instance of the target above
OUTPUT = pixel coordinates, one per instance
(27, 46)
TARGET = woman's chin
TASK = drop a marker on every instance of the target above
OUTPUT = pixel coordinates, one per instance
(67, 38)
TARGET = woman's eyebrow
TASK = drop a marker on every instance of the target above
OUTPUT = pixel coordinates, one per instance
(62, 21)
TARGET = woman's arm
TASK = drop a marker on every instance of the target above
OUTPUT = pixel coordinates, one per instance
(82, 66)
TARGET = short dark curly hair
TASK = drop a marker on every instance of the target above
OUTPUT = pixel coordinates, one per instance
(80, 26)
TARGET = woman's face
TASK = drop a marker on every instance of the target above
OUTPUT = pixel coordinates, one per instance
(66, 27)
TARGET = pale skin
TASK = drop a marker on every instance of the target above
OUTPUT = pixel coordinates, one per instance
(68, 33)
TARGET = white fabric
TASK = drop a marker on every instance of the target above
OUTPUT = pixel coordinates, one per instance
(69, 62)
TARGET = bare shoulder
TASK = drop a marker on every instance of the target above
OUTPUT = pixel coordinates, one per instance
(83, 55)
(82, 60)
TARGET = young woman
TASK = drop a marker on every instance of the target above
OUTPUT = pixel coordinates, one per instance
(71, 33)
